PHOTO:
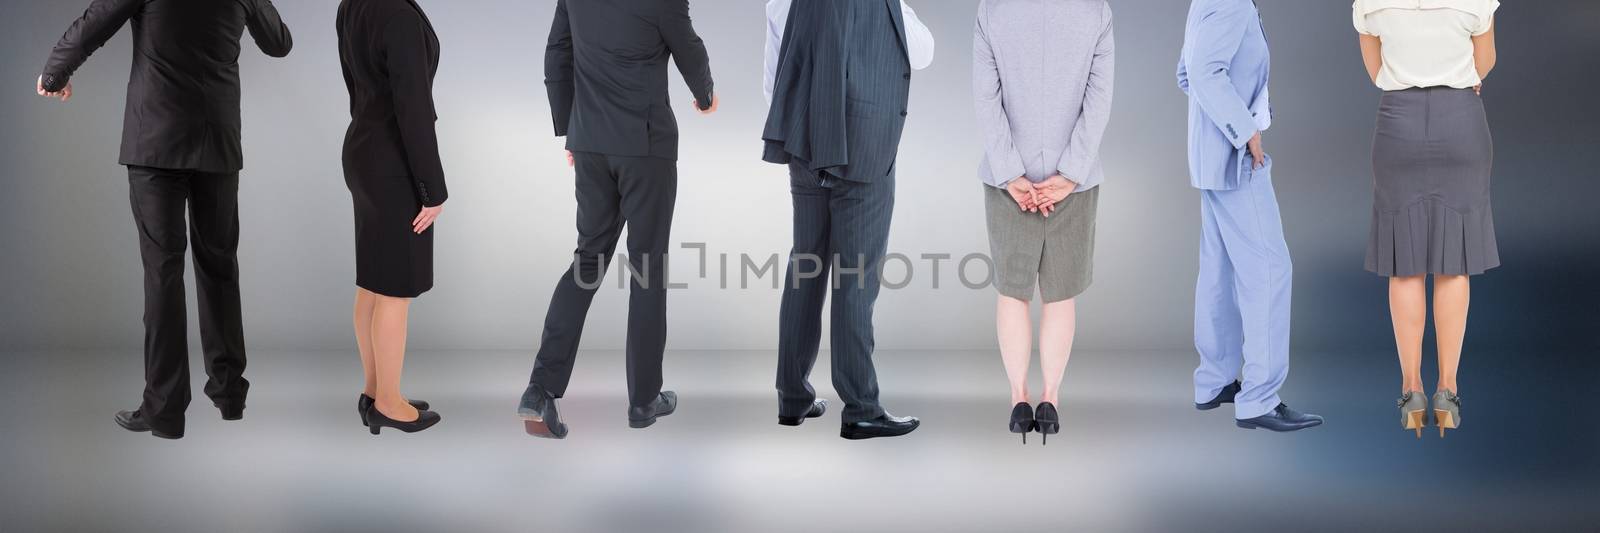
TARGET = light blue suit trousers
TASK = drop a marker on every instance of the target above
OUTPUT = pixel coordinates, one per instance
(1242, 296)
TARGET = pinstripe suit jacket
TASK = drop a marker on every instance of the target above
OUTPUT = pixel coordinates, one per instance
(841, 89)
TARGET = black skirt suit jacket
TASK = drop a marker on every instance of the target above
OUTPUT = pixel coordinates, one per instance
(390, 53)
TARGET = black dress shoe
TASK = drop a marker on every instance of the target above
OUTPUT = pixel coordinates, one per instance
(886, 425)
(1281, 419)
(1022, 420)
(376, 420)
(231, 412)
(818, 407)
(134, 421)
(1226, 396)
(540, 418)
(365, 402)
(643, 417)
(1048, 421)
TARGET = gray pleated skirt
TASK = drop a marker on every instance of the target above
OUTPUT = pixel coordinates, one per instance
(1055, 253)
(1431, 161)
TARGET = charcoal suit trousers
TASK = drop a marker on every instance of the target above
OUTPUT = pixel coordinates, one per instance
(614, 191)
(160, 200)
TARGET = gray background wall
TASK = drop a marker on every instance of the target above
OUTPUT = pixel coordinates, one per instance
(72, 270)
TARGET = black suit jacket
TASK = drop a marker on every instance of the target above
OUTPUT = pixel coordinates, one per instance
(842, 86)
(390, 55)
(183, 91)
(606, 72)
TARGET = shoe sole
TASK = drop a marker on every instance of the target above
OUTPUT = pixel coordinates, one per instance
(1207, 406)
(1247, 425)
(796, 420)
(849, 435)
(376, 430)
(158, 434)
(535, 426)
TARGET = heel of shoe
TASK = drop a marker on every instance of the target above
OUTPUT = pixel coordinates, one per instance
(1416, 420)
(374, 428)
(1046, 429)
(1446, 420)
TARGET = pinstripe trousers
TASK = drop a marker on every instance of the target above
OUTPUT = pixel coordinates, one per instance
(841, 234)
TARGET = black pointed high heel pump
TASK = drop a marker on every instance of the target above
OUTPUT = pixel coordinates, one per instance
(1022, 420)
(1047, 421)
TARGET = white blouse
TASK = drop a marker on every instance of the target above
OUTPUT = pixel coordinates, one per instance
(1426, 43)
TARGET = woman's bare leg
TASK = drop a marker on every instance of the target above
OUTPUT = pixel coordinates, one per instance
(1057, 326)
(365, 301)
(1015, 330)
(389, 317)
(1452, 295)
(1408, 308)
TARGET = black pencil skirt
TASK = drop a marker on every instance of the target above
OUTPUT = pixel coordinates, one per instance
(391, 260)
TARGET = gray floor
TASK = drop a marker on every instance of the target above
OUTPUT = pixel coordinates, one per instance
(1133, 456)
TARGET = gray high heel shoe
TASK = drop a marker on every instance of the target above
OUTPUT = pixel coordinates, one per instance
(1446, 410)
(1413, 411)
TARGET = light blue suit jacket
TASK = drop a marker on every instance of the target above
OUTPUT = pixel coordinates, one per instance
(1224, 69)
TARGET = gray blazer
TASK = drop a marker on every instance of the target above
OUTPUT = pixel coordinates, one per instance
(1041, 78)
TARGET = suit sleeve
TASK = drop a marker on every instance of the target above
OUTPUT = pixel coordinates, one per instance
(268, 30)
(98, 24)
(407, 61)
(688, 51)
(1005, 163)
(558, 80)
(1215, 42)
(1083, 148)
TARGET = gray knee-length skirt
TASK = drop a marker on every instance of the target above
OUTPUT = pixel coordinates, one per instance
(1431, 161)
(1055, 253)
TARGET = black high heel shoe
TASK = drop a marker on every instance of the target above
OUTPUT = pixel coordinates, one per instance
(1022, 420)
(365, 402)
(1047, 421)
(376, 421)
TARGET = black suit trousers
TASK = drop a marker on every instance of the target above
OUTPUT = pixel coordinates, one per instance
(160, 198)
(841, 235)
(613, 191)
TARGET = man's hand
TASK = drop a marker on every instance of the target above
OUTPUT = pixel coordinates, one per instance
(64, 94)
(1054, 190)
(715, 99)
(1022, 191)
(570, 161)
(425, 218)
(1256, 153)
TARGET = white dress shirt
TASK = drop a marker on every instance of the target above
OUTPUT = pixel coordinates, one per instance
(919, 41)
(1426, 43)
